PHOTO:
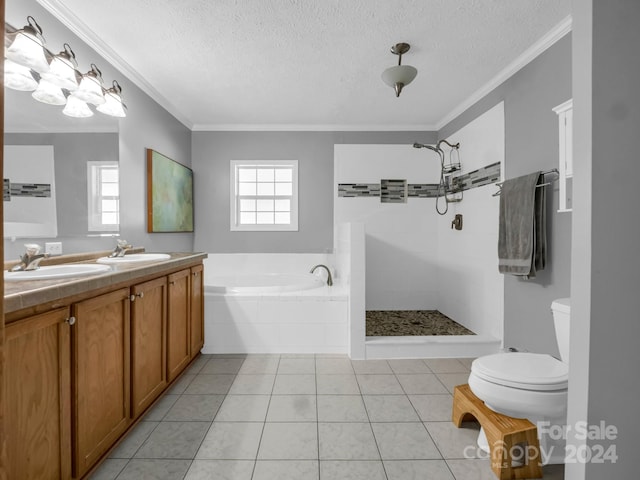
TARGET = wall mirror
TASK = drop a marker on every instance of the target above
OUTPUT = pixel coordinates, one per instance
(85, 156)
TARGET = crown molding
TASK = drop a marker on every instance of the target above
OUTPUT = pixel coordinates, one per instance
(555, 34)
(240, 127)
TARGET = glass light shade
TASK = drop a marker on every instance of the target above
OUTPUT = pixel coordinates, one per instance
(77, 108)
(90, 90)
(62, 72)
(49, 93)
(18, 77)
(27, 49)
(113, 105)
(399, 76)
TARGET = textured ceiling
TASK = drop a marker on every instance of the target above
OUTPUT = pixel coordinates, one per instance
(271, 63)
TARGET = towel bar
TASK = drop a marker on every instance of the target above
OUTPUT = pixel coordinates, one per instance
(499, 184)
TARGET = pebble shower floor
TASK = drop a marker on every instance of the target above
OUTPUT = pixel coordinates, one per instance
(383, 323)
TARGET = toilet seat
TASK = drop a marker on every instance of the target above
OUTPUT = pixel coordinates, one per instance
(521, 370)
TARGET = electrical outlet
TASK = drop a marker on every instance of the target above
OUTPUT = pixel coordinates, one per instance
(53, 248)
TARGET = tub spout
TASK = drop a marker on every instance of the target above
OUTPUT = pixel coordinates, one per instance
(329, 278)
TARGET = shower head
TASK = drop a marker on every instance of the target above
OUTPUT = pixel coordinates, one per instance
(422, 145)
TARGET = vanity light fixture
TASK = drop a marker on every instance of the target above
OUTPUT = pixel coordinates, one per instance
(27, 47)
(90, 89)
(49, 93)
(76, 108)
(63, 70)
(400, 75)
(113, 104)
(55, 79)
(19, 77)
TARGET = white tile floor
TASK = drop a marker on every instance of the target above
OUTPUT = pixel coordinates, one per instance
(283, 417)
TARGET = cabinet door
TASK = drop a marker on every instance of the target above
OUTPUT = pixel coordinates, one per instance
(38, 397)
(148, 343)
(178, 319)
(101, 375)
(197, 309)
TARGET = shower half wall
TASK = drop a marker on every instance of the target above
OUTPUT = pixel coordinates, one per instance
(414, 260)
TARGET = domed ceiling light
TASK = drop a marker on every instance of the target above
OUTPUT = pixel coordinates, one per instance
(400, 75)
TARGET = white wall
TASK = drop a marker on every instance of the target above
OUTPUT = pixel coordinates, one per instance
(401, 239)
(470, 289)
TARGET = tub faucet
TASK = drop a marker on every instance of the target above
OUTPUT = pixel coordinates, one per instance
(329, 279)
(121, 248)
(30, 259)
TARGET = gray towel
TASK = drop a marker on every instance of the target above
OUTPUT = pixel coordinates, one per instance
(522, 236)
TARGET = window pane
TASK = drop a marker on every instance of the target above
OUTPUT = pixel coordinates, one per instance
(247, 218)
(265, 218)
(283, 206)
(284, 189)
(109, 205)
(247, 205)
(110, 218)
(265, 174)
(247, 174)
(109, 175)
(265, 189)
(246, 189)
(283, 218)
(110, 189)
(284, 175)
(265, 205)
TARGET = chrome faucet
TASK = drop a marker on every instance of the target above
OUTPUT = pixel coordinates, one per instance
(31, 258)
(329, 278)
(121, 248)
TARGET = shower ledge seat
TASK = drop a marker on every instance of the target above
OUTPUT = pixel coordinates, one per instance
(503, 433)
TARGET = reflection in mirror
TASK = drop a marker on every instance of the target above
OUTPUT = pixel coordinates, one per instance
(85, 156)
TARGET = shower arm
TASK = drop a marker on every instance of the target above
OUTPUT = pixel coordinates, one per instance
(437, 148)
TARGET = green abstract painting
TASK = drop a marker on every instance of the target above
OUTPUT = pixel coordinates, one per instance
(169, 195)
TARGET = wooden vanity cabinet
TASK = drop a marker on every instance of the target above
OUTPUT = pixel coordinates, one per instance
(38, 397)
(148, 343)
(178, 320)
(79, 376)
(197, 309)
(100, 375)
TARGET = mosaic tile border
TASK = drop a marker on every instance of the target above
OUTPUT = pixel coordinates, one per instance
(36, 190)
(477, 178)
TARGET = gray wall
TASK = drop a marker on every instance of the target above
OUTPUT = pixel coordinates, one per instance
(606, 305)
(531, 143)
(71, 153)
(212, 152)
(148, 125)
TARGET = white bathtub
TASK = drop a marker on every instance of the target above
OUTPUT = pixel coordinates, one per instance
(274, 313)
(261, 283)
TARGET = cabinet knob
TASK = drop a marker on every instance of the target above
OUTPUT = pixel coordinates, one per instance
(71, 320)
(195, 274)
(139, 295)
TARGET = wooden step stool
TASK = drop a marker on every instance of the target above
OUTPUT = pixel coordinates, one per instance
(503, 433)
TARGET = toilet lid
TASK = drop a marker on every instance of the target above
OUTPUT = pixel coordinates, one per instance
(527, 371)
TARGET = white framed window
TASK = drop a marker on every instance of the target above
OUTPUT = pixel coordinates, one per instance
(103, 194)
(264, 195)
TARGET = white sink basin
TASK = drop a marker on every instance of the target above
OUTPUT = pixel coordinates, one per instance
(134, 258)
(56, 271)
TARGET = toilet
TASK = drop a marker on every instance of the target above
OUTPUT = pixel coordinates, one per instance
(529, 385)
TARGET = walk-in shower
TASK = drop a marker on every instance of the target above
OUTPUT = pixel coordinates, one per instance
(446, 190)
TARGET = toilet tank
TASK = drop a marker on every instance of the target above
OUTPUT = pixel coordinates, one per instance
(561, 309)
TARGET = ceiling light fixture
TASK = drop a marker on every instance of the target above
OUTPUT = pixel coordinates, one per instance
(400, 75)
(55, 79)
